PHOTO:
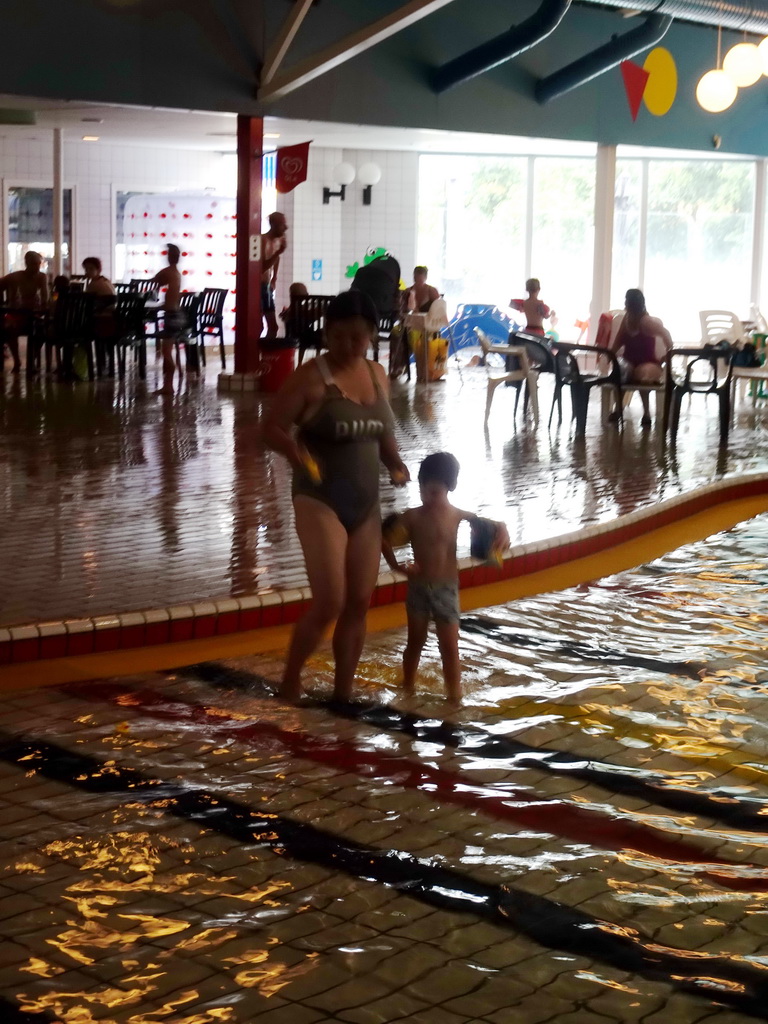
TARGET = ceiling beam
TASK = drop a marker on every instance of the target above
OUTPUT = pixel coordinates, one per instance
(278, 49)
(347, 48)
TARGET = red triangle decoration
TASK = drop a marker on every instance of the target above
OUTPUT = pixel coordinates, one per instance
(635, 79)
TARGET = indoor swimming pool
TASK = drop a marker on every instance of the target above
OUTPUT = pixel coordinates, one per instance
(584, 840)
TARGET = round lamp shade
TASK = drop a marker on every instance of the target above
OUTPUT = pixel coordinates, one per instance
(715, 92)
(742, 64)
(369, 174)
(343, 174)
(762, 52)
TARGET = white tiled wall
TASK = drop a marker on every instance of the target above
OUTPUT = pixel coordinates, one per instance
(95, 170)
(340, 233)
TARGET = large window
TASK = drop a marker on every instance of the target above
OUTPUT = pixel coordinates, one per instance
(486, 223)
(472, 226)
(30, 225)
(683, 233)
(563, 236)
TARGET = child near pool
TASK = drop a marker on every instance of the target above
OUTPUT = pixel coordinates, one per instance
(433, 578)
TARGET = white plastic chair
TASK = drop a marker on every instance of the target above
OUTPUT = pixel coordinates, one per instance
(525, 372)
(721, 325)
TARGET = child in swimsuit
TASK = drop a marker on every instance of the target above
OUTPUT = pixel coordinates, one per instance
(536, 312)
(433, 583)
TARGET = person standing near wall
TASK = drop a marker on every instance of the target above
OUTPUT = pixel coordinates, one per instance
(173, 319)
(273, 245)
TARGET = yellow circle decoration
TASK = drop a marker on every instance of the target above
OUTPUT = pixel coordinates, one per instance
(661, 88)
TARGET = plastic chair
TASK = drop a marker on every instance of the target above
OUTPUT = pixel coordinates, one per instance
(190, 337)
(73, 325)
(210, 319)
(524, 372)
(582, 380)
(130, 333)
(698, 371)
(305, 322)
(720, 325)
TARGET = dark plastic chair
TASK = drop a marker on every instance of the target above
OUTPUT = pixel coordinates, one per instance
(305, 322)
(129, 332)
(72, 326)
(210, 319)
(121, 288)
(191, 337)
(698, 371)
(144, 286)
(581, 381)
(540, 358)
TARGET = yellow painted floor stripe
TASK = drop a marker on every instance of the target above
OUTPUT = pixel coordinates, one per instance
(623, 556)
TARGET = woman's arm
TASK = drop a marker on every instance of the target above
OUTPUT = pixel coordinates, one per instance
(388, 450)
(286, 410)
(654, 326)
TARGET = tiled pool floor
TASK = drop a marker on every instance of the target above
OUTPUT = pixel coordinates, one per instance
(583, 841)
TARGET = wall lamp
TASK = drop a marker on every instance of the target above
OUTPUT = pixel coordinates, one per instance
(343, 175)
(368, 175)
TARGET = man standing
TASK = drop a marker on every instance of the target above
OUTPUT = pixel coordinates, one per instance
(420, 296)
(273, 244)
(27, 292)
(173, 320)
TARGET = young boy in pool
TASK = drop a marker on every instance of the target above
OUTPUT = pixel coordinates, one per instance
(433, 583)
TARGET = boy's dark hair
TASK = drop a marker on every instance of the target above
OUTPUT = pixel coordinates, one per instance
(442, 467)
(350, 304)
(533, 284)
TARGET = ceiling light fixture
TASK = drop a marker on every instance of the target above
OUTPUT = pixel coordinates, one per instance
(91, 138)
(716, 90)
(742, 63)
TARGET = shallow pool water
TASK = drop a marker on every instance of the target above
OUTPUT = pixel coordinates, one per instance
(583, 840)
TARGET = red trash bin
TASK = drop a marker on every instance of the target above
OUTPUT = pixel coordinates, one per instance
(276, 363)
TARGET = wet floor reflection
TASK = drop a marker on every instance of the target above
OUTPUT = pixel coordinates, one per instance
(122, 500)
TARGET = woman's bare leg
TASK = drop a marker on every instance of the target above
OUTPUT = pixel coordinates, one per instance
(324, 542)
(362, 570)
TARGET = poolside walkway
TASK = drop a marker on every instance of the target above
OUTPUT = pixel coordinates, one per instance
(116, 500)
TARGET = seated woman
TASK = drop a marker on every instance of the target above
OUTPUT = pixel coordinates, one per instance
(636, 342)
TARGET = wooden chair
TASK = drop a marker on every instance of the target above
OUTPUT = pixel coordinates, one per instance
(524, 372)
(210, 319)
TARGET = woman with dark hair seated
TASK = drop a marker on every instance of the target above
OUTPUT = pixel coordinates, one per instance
(636, 341)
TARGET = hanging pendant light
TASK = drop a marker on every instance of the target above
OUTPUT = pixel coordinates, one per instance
(742, 64)
(762, 51)
(716, 90)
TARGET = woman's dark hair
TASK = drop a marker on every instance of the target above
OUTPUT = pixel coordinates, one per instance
(634, 303)
(442, 468)
(350, 304)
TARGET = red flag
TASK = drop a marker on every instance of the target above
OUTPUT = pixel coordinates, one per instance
(291, 167)
(635, 80)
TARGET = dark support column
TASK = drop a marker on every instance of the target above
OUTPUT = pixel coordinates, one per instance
(250, 132)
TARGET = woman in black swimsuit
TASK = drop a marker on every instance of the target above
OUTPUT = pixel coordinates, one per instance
(339, 402)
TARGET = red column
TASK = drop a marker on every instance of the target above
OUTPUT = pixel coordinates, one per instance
(250, 134)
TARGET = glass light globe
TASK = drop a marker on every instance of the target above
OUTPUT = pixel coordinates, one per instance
(716, 91)
(742, 64)
(762, 52)
(369, 174)
(343, 174)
